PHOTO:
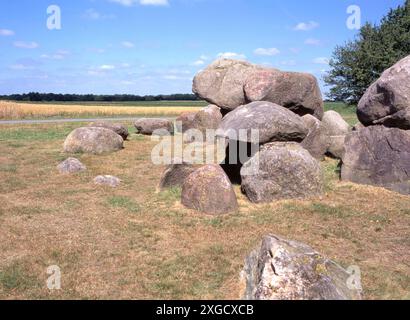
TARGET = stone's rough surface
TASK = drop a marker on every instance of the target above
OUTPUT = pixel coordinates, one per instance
(298, 92)
(317, 140)
(222, 83)
(176, 173)
(93, 140)
(116, 127)
(273, 122)
(335, 124)
(185, 121)
(336, 146)
(71, 165)
(400, 119)
(208, 118)
(378, 156)
(159, 127)
(281, 171)
(388, 96)
(107, 181)
(358, 126)
(209, 190)
(288, 270)
(232, 83)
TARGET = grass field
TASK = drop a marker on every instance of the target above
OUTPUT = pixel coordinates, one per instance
(16, 111)
(135, 243)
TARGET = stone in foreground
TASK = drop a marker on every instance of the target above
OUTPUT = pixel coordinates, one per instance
(116, 127)
(378, 156)
(232, 83)
(93, 140)
(110, 181)
(71, 165)
(158, 127)
(273, 122)
(288, 270)
(176, 173)
(388, 99)
(209, 190)
(281, 170)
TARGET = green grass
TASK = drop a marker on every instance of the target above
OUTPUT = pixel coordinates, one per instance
(17, 277)
(123, 203)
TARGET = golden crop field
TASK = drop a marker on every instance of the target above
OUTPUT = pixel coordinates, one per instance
(15, 111)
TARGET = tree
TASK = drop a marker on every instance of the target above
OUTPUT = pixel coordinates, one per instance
(358, 63)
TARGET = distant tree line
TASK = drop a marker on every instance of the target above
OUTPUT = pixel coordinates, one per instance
(358, 63)
(49, 97)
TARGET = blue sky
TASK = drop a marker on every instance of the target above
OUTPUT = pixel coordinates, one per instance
(157, 46)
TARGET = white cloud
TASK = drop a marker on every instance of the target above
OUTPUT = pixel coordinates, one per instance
(231, 55)
(198, 63)
(313, 42)
(306, 26)
(26, 45)
(6, 32)
(204, 57)
(128, 44)
(107, 67)
(93, 14)
(321, 60)
(129, 3)
(20, 66)
(266, 52)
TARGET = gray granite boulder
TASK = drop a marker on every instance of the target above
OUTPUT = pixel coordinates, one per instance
(281, 170)
(317, 141)
(232, 83)
(378, 156)
(110, 181)
(335, 124)
(175, 174)
(288, 270)
(273, 122)
(387, 101)
(93, 140)
(154, 126)
(116, 127)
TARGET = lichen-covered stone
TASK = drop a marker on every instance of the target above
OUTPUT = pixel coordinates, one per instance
(154, 126)
(281, 170)
(93, 140)
(110, 181)
(335, 124)
(71, 165)
(273, 123)
(288, 270)
(175, 174)
(378, 156)
(116, 127)
(317, 140)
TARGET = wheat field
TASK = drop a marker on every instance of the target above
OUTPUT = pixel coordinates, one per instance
(16, 111)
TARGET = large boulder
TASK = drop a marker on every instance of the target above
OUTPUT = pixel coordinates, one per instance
(378, 156)
(116, 127)
(335, 124)
(208, 118)
(71, 165)
(317, 140)
(232, 83)
(93, 140)
(209, 190)
(388, 99)
(281, 170)
(274, 123)
(154, 126)
(175, 174)
(288, 270)
(296, 91)
(185, 121)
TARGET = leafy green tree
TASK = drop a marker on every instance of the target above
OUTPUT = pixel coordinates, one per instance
(358, 63)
